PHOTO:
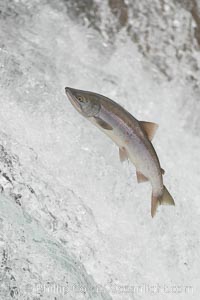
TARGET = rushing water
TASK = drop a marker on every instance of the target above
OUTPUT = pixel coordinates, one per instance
(74, 222)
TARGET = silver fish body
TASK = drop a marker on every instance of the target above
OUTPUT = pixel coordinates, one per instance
(133, 138)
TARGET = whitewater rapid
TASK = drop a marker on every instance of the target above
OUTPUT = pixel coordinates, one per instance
(73, 219)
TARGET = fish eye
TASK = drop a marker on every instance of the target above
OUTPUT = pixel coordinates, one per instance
(81, 99)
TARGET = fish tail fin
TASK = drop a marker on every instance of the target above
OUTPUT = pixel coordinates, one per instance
(155, 201)
(164, 199)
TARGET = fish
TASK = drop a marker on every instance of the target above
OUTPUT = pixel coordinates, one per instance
(133, 137)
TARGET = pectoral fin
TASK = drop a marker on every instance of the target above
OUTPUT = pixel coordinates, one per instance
(141, 177)
(103, 124)
(149, 128)
(123, 155)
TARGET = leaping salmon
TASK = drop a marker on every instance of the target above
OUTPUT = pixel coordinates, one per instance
(133, 138)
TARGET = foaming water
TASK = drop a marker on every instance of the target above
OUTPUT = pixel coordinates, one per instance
(63, 179)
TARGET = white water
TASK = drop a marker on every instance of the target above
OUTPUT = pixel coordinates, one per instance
(83, 218)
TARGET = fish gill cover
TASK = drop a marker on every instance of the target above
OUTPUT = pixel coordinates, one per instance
(74, 222)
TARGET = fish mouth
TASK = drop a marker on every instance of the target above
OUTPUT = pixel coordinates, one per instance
(73, 99)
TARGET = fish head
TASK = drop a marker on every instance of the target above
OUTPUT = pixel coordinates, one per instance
(86, 103)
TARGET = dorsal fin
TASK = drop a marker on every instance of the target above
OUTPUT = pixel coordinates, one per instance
(149, 128)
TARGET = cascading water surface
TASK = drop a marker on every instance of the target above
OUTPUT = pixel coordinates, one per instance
(74, 222)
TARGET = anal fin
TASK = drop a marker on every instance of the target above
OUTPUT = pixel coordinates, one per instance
(140, 177)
